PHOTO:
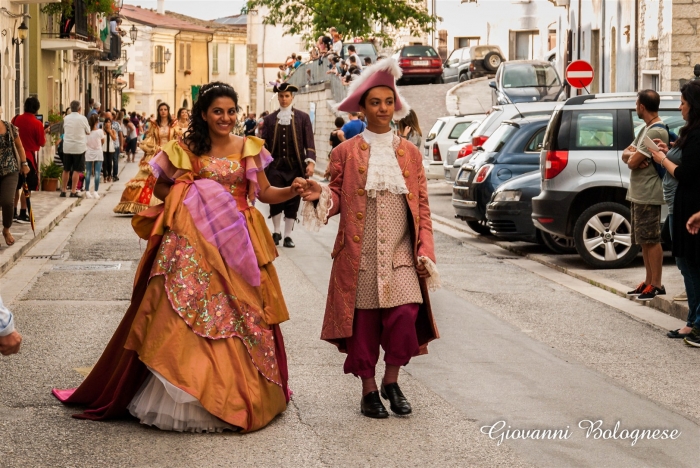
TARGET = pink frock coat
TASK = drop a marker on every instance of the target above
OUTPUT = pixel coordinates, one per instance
(348, 169)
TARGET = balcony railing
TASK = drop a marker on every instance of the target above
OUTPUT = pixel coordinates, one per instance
(74, 27)
(315, 73)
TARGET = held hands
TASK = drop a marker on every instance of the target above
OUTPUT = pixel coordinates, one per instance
(693, 224)
(10, 344)
(309, 189)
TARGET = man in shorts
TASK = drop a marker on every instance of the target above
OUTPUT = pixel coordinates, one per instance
(75, 132)
(645, 194)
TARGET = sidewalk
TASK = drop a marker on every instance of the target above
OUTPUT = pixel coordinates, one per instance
(49, 209)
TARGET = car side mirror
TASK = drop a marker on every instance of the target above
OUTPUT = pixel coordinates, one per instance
(492, 84)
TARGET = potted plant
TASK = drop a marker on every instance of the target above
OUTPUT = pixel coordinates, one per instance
(50, 174)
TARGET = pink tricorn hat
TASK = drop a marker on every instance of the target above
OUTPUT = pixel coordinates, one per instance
(383, 73)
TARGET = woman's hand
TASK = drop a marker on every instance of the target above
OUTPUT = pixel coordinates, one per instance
(25, 169)
(693, 224)
(406, 131)
(658, 156)
(662, 146)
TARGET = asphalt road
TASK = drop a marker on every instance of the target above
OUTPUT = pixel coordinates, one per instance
(517, 345)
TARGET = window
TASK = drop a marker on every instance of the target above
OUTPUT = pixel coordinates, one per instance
(523, 45)
(466, 41)
(160, 59)
(653, 49)
(526, 75)
(535, 144)
(181, 61)
(594, 129)
(650, 81)
(499, 138)
(672, 118)
(215, 59)
(132, 80)
(458, 129)
(124, 55)
(418, 51)
(232, 59)
(455, 57)
(433, 133)
(188, 58)
(466, 136)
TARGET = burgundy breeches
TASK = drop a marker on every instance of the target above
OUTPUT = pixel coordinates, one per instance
(394, 329)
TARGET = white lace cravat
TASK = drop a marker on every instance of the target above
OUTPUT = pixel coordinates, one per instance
(285, 115)
(383, 172)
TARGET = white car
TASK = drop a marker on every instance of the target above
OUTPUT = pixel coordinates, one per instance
(441, 137)
(462, 148)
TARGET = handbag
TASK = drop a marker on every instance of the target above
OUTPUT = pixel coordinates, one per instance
(9, 128)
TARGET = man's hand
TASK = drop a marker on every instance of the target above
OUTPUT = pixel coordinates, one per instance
(312, 191)
(310, 169)
(693, 224)
(10, 344)
(422, 270)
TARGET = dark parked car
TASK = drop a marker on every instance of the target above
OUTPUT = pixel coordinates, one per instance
(512, 150)
(472, 62)
(526, 81)
(363, 49)
(419, 63)
(509, 214)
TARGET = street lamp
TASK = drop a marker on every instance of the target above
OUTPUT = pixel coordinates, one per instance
(22, 32)
(168, 55)
(133, 33)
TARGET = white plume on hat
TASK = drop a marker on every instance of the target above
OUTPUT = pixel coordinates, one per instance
(387, 65)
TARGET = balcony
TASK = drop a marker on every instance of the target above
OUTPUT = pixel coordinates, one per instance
(61, 33)
(33, 2)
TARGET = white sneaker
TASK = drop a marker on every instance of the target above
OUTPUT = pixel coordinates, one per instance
(87, 194)
(95, 195)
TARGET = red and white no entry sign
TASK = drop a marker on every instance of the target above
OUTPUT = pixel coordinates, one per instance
(579, 74)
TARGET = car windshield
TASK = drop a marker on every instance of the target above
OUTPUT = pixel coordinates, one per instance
(361, 49)
(466, 136)
(433, 133)
(418, 51)
(528, 75)
(499, 138)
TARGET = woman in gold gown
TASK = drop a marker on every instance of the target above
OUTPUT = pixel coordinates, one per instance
(200, 348)
(138, 194)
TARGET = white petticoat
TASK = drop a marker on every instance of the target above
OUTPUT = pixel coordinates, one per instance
(159, 403)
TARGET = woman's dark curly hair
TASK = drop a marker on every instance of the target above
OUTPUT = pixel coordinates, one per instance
(197, 135)
(691, 93)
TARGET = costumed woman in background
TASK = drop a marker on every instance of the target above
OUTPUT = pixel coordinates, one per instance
(200, 348)
(138, 194)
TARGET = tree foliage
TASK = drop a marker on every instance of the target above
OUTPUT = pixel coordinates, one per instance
(352, 18)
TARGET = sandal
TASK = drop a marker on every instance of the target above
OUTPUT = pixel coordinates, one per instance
(9, 239)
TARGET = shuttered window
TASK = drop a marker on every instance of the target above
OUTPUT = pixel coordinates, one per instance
(232, 59)
(188, 60)
(215, 59)
(160, 59)
(181, 61)
(132, 80)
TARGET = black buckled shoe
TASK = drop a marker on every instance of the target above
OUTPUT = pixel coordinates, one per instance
(276, 237)
(289, 243)
(372, 407)
(398, 403)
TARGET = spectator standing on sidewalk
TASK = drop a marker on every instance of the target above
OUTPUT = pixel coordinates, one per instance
(109, 148)
(12, 161)
(119, 144)
(353, 127)
(646, 195)
(31, 132)
(94, 157)
(132, 137)
(686, 203)
(75, 132)
(10, 339)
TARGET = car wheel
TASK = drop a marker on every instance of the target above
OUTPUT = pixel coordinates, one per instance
(558, 245)
(463, 77)
(480, 227)
(603, 236)
(492, 61)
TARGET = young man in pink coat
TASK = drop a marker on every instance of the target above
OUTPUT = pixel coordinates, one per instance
(383, 257)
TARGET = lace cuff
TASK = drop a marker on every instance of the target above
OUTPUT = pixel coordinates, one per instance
(433, 281)
(313, 217)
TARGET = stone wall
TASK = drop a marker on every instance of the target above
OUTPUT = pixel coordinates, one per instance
(322, 97)
(685, 42)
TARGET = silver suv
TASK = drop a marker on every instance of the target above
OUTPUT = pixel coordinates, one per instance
(584, 182)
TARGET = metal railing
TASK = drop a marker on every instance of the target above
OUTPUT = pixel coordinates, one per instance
(316, 73)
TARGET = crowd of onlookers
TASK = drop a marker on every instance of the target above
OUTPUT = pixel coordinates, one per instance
(346, 64)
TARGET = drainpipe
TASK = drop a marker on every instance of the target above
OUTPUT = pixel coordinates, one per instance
(211, 39)
(25, 60)
(175, 73)
(578, 34)
(603, 29)
(263, 66)
(636, 47)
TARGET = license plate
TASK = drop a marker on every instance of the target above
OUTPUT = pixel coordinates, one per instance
(421, 63)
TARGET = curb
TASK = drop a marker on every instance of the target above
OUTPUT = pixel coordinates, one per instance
(665, 306)
(20, 247)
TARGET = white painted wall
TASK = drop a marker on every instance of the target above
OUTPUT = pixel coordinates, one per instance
(8, 27)
(239, 78)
